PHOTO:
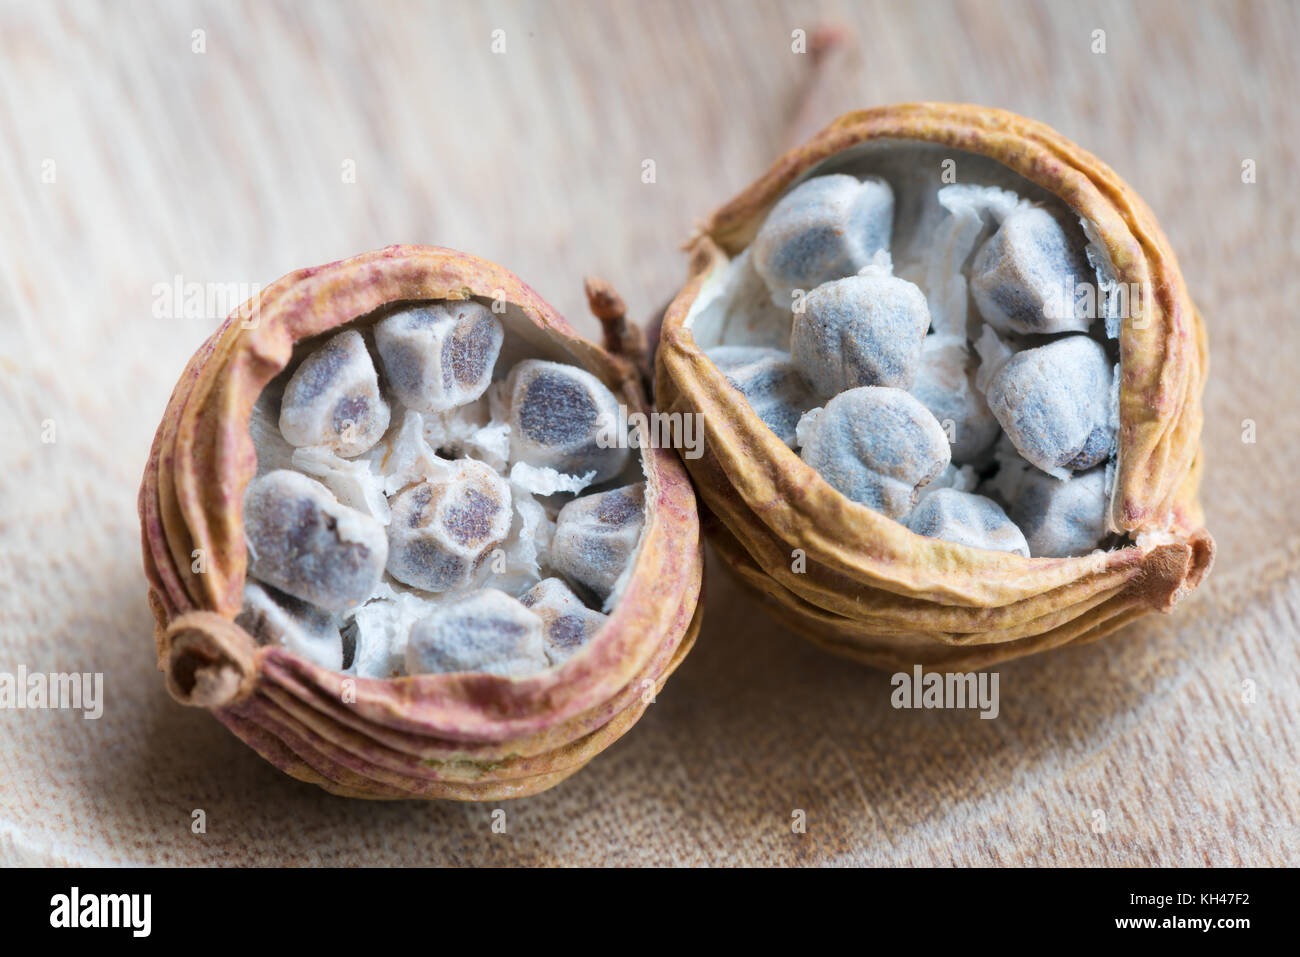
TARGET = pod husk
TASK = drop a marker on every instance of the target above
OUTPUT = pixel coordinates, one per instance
(863, 585)
(465, 736)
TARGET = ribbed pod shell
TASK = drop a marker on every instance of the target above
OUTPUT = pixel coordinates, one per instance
(462, 736)
(863, 585)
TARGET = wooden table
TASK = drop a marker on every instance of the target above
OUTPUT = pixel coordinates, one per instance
(147, 144)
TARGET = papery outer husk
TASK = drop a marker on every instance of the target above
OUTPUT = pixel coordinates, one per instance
(463, 736)
(863, 585)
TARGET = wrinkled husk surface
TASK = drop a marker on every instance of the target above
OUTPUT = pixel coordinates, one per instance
(874, 591)
(461, 736)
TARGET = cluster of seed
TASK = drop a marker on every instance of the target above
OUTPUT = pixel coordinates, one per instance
(999, 439)
(413, 513)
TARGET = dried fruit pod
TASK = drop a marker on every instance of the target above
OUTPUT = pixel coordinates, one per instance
(467, 736)
(862, 584)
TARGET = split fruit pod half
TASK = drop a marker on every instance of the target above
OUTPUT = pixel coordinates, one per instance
(950, 383)
(389, 545)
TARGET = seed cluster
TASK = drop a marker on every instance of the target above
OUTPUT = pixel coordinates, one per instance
(982, 410)
(416, 512)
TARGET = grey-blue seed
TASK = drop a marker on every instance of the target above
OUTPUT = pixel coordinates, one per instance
(442, 531)
(771, 384)
(863, 330)
(1054, 403)
(825, 228)
(877, 446)
(306, 544)
(333, 398)
(596, 535)
(967, 519)
(488, 631)
(441, 355)
(568, 624)
(1059, 517)
(559, 416)
(1023, 278)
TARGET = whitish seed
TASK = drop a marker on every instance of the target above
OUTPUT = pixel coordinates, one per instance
(863, 330)
(303, 542)
(567, 623)
(875, 445)
(559, 417)
(1055, 404)
(596, 535)
(1023, 278)
(443, 530)
(488, 631)
(945, 384)
(771, 384)
(825, 228)
(966, 519)
(274, 618)
(1059, 517)
(441, 355)
(333, 398)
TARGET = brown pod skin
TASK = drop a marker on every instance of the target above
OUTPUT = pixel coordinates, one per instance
(874, 591)
(465, 736)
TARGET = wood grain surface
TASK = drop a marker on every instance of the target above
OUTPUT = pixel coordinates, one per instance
(130, 161)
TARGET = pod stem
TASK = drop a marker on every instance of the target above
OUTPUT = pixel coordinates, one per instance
(623, 338)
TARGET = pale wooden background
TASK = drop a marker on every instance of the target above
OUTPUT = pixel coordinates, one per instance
(226, 166)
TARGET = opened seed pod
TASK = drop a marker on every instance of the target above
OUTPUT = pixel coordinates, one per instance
(996, 373)
(350, 532)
